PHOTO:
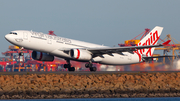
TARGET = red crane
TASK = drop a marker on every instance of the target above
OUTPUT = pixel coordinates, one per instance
(133, 43)
(51, 33)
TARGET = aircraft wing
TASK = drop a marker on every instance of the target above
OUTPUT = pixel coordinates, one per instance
(119, 50)
(109, 50)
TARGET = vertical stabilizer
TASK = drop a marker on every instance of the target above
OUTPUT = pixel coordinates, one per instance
(150, 39)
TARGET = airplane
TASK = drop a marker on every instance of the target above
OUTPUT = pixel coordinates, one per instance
(45, 47)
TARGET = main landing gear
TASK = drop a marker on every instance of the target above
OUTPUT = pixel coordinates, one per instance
(87, 65)
(68, 65)
(90, 66)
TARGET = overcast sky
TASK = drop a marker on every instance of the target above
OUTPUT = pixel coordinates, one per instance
(107, 22)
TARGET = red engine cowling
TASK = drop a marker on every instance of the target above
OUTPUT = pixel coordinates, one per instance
(42, 56)
(81, 54)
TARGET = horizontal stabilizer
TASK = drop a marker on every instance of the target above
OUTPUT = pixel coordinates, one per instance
(151, 58)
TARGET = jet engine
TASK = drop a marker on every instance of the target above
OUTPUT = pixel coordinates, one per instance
(40, 56)
(78, 54)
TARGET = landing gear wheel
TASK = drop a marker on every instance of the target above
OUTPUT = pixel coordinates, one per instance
(71, 69)
(87, 65)
(93, 69)
(67, 65)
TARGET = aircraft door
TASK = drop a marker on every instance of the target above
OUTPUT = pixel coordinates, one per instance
(49, 40)
(25, 35)
(129, 57)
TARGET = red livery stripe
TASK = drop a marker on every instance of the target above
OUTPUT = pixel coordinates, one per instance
(40, 56)
(78, 54)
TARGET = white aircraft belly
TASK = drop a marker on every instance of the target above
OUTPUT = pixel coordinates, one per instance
(60, 54)
(118, 59)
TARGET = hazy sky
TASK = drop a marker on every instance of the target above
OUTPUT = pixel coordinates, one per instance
(107, 22)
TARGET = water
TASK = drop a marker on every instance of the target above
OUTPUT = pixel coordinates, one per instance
(105, 99)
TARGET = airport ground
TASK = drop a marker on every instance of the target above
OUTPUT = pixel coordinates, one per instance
(40, 85)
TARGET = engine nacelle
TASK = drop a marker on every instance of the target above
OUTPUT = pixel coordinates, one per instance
(80, 54)
(40, 56)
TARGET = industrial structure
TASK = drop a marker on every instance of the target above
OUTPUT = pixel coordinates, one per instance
(158, 64)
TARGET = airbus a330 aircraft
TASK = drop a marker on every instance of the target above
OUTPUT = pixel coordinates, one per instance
(45, 47)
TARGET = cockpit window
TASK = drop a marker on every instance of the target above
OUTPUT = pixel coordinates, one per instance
(13, 33)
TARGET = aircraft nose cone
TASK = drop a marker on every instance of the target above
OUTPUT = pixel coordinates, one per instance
(7, 37)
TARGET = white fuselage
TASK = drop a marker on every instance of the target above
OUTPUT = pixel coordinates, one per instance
(55, 45)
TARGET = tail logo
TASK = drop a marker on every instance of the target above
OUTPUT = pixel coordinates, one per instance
(152, 40)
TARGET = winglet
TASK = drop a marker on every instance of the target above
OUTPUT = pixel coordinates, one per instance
(166, 43)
